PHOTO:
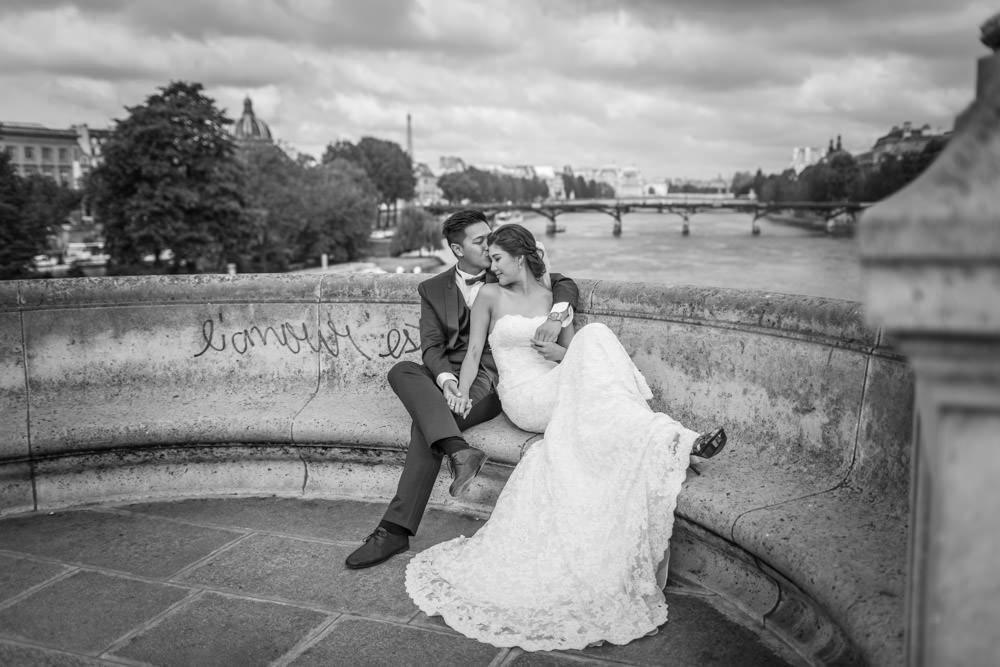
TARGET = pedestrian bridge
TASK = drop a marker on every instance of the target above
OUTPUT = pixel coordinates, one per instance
(841, 215)
(154, 388)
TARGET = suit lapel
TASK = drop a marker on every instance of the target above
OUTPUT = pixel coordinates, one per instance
(452, 297)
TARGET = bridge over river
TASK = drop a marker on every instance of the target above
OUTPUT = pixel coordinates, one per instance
(831, 216)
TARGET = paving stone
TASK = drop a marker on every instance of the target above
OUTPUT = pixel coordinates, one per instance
(296, 569)
(86, 611)
(138, 544)
(432, 622)
(354, 641)
(15, 655)
(317, 518)
(695, 634)
(19, 574)
(222, 630)
(439, 526)
(536, 659)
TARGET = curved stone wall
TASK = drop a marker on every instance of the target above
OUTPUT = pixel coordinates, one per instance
(117, 388)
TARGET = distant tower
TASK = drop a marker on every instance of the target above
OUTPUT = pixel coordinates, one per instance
(409, 137)
(840, 146)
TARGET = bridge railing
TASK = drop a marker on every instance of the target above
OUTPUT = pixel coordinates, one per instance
(832, 216)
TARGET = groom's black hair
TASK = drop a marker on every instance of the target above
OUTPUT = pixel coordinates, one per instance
(454, 227)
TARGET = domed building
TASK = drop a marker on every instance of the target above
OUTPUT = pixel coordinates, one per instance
(249, 129)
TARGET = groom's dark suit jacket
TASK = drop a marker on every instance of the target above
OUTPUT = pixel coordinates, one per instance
(444, 340)
(444, 321)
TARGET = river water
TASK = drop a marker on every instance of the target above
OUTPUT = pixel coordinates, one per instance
(719, 252)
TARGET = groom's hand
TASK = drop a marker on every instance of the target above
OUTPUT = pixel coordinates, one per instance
(457, 403)
(551, 351)
(548, 331)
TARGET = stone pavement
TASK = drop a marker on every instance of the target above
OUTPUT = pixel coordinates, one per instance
(257, 581)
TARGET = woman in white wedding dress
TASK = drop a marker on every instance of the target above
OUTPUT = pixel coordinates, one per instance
(570, 553)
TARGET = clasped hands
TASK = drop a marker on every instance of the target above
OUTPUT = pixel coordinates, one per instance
(457, 402)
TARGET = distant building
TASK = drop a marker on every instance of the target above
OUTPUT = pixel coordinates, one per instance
(553, 180)
(626, 181)
(656, 188)
(66, 156)
(250, 130)
(449, 164)
(804, 156)
(899, 141)
(717, 185)
(426, 191)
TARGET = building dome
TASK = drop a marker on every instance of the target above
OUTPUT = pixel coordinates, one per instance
(249, 127)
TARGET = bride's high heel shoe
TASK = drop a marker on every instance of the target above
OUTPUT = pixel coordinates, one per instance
(709, 444)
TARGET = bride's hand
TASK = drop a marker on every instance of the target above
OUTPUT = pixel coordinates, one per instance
(551, 351)
(548, 331)
(457, 402)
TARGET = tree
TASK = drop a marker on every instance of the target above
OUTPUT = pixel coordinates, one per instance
(418, 230)
(31, 210)
(386, 164)
(459, 186)
(170, 179)
(47, 204)
(340, 205)
(18, 242)
(273, 192)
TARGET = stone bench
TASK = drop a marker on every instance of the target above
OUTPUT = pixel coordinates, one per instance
(123, 388)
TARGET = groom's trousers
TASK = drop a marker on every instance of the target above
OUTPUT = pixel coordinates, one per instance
(432, 420)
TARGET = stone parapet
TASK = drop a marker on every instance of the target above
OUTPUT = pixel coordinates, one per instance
(122, 388)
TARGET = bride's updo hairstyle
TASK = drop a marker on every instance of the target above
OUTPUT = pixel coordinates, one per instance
(519, 242)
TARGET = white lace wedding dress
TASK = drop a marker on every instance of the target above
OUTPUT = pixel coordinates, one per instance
(570, 553)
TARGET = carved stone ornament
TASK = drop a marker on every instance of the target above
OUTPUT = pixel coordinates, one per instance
(990, 30)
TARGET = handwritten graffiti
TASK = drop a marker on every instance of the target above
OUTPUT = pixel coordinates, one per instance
(399, 342)
(300, 337)
(293, 337)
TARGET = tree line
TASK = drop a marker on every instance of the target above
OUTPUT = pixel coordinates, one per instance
(173, 178)
(839, 177)
(32, 209)
(477, 185)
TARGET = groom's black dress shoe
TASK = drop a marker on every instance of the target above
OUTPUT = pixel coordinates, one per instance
(465, 465)
(379, 547)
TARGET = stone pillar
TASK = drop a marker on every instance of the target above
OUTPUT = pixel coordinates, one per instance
(931, 259)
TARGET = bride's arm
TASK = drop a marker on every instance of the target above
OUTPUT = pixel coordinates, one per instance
(555, 351)
(479, 326)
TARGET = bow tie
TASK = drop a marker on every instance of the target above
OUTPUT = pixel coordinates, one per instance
(481, 278)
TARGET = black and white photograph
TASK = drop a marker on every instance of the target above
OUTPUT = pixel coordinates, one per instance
(512, 334)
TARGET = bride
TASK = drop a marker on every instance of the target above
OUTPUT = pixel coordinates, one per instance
(570, 553)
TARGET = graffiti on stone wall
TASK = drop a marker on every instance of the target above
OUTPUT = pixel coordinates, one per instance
(301, 337)
(399, 342)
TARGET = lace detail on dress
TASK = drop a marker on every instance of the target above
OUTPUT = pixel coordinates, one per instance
(570, 553)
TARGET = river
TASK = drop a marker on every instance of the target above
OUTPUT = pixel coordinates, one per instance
(720, 252)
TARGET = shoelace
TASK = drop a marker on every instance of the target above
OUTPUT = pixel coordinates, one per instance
(375, 533)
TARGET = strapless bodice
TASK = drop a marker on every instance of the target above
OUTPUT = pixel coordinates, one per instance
(527, 379)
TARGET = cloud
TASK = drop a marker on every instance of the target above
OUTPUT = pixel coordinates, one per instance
(692, 87)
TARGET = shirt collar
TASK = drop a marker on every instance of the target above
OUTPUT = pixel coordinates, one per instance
(465, 276)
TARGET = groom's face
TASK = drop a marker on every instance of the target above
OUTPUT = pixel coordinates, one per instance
(473, 248)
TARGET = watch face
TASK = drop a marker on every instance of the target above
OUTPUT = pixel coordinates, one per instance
(555, 317)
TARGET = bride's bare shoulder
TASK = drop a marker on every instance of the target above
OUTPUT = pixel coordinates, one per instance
(488, 296)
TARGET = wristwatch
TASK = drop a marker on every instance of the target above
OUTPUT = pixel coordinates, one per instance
(556, 317)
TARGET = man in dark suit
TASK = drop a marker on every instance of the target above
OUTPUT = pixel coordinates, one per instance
(445, 304)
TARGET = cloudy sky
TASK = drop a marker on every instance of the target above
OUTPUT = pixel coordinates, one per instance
(679, 88)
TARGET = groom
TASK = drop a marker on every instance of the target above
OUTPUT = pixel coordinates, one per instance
(445, 304)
